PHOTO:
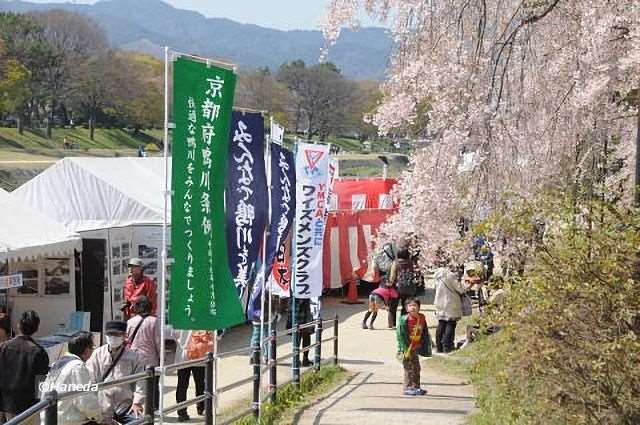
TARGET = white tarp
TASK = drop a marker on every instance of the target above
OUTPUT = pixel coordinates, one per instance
(98, 193)
(27, 234)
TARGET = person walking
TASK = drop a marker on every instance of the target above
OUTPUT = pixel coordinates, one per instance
(113, 360)
(448, 306)
(143, 336)
(303, 316)
(191, 345)
(22, 361)
(70, 373)
(413, 341)
(138, 284)
(401, 277)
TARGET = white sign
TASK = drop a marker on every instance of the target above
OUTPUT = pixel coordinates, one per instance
(11, 281)
(312, 180)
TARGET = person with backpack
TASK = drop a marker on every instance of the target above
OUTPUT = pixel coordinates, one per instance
(401, 277)
(191, 345)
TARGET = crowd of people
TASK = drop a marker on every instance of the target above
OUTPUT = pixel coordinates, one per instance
(401, 281)
(26, 374)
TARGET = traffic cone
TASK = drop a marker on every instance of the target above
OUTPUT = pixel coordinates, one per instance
(352, 293)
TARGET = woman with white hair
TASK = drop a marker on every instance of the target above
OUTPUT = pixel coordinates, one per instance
(448, 306)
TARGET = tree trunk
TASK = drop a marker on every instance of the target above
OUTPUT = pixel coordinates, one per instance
(50, 120)
(92, 125)
(637, 179)
(20, 123)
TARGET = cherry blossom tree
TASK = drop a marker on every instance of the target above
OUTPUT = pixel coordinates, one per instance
(523, 95)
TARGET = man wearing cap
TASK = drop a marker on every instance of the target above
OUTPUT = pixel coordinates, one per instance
(112, 361)
(136, 285)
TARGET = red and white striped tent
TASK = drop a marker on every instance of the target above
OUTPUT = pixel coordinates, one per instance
(362, 206)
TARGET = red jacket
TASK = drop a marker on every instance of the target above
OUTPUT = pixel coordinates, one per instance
(133, 290)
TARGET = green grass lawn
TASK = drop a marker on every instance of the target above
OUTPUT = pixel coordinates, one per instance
(35, 141)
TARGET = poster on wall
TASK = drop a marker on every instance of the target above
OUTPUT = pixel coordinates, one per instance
(57, 278)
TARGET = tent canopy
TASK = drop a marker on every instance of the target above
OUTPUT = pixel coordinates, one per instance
(27, 234)
(99, 193)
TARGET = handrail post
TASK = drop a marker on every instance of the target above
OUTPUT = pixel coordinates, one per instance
(150, 394)
(296, 355)
(209, 390)
(318, 354)
(335, 341)
(51, 412)
(273, 370)
(255, 355)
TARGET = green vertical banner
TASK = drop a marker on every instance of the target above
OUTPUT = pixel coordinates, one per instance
(203, 295)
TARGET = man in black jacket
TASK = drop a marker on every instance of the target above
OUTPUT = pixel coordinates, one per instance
(22, 361)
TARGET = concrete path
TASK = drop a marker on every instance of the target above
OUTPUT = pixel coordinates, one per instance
(372, 394)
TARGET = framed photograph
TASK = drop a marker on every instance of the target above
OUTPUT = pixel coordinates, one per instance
(116, 267)
(150, 268)
(115, 251)
(117, 295)
(125, 250)
(29, 280)
(57, 279)
(145, 251)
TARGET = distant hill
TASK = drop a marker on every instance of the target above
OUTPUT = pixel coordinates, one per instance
(147, 25)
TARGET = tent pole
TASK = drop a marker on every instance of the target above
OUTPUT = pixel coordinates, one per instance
(163, 278)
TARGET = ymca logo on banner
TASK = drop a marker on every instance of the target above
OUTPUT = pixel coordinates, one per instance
(312, 172)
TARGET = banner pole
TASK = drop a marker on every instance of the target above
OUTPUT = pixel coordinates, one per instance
(163, 277)
(265, 234)
(292, 285)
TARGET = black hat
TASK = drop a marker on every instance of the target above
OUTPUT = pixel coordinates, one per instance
(115, 325)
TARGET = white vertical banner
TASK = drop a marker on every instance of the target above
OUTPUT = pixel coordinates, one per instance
(312, 176)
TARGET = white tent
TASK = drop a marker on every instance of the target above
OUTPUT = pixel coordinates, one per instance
(26, 234)
(117, 207)
(99, 193)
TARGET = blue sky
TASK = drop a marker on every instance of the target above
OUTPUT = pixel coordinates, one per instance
(280, 14)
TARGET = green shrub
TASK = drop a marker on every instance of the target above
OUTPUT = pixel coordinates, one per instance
(289, 396)
(569, 352)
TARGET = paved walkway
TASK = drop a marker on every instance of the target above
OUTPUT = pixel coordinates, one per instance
(372, 394)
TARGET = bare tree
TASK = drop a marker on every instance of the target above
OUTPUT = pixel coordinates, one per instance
(72, 38)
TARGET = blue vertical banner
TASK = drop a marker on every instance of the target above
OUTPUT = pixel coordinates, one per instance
(283, 208)
(283, 199)
(246, 198)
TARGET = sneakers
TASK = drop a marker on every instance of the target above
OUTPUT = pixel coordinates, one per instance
(364, 325)
(414, 391)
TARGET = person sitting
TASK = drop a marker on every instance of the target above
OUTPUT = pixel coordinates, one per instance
(70, 373)
(112, 361)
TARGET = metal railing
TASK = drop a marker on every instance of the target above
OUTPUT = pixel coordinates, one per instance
(49, 404)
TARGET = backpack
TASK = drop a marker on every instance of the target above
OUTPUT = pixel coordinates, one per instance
(405, 283)
(200, 343)
(384, 259)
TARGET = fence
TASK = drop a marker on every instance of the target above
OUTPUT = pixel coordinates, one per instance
(49, 404)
